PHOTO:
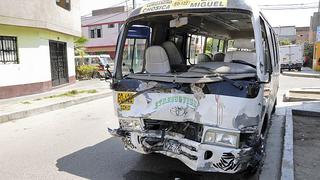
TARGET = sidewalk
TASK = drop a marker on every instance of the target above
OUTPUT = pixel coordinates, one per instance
(80, 92)
(306, 72)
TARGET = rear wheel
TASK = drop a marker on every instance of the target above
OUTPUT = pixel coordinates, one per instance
(299, 69)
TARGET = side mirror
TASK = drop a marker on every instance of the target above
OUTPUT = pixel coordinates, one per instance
(108, 73)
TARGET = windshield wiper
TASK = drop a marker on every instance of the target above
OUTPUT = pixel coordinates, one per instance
(236, 84)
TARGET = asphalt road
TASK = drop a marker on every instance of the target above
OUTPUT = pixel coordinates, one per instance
(73, 143)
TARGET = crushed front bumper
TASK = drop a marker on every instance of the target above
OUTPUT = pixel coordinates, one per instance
(197, 156)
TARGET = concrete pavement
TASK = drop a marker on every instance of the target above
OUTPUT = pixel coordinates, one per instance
(73, 144)
(306, 73)
(25, 106)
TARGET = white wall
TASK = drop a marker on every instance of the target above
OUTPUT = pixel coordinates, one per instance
(109, 36)
(42, 14)
(34, 57)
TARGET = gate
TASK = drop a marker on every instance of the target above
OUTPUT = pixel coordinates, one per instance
(59, 63)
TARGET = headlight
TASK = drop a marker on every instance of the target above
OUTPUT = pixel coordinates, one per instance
(222, 138)
(130, 124)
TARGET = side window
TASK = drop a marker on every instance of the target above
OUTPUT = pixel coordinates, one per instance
(195, 46)
(8, 50)
(133, 55)
(95, 32)
(276, 48)
(212, 46)
(266, 48)
(273, 46)
(221, 46)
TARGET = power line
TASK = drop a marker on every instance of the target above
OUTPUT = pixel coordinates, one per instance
(300, 4)
(290, 8)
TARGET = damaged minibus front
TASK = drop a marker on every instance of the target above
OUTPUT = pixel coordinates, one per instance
(196, 80)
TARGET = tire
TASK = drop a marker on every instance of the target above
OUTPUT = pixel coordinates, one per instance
(299, 69)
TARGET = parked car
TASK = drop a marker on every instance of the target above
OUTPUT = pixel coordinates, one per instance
(102, 62)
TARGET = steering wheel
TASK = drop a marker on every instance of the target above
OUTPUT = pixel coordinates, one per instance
(243, 62)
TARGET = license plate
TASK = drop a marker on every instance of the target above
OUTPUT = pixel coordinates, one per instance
(125, 98)
(173, 146)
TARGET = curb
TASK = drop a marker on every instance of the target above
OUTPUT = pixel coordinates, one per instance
(53, 107)
(291, 98)
(306, 75)
(305, 113)
(301, 91)
(287, 167)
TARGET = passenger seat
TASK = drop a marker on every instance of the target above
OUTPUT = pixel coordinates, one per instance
(203, 58)
(157, 61)
(245, 52)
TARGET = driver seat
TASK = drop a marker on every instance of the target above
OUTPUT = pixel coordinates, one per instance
(175, 57)
(245, 52)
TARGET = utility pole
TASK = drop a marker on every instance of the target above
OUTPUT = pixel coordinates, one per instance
(133, 4)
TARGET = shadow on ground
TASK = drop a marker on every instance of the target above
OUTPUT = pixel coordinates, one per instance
(108, 160)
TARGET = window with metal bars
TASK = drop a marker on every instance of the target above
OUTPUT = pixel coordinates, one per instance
(65, 4)
(8, 50)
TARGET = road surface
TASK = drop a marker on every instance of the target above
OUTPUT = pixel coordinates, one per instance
(73, 143)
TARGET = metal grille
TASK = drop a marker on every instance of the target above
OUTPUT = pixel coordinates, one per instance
(8, 50)
(59, 63)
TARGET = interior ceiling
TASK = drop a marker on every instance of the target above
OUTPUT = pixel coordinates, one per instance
(222, 25)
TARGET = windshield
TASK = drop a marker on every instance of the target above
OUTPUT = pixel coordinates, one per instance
(189, 45)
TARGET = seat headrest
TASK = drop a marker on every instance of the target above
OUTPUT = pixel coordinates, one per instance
(203, 58)
(174, 54)
(157, 61)
(244, 44)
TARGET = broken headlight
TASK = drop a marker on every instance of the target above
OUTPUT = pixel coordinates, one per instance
(130, 124)
(222, 138)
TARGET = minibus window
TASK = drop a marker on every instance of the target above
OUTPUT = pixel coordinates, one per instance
(276, 48)
(266, 48)
(221, 46)
(273, 46)
(212, 45)
(196, 45)
(133, 55)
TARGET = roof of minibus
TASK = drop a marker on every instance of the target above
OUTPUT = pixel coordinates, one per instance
(182, 5)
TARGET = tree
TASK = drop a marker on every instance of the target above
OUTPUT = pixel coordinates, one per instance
(211, 44)
(80, 49)
(79, 46)
(285, 42)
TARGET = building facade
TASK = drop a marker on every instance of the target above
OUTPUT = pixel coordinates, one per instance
(36, 45)
(302, 35)
(102, 29)
(286, 33)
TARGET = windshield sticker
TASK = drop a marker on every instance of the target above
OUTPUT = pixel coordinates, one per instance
(182, 4)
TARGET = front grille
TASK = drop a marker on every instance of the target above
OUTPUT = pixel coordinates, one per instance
(189, 130)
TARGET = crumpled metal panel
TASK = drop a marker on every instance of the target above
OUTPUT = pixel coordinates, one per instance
(214, 110)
